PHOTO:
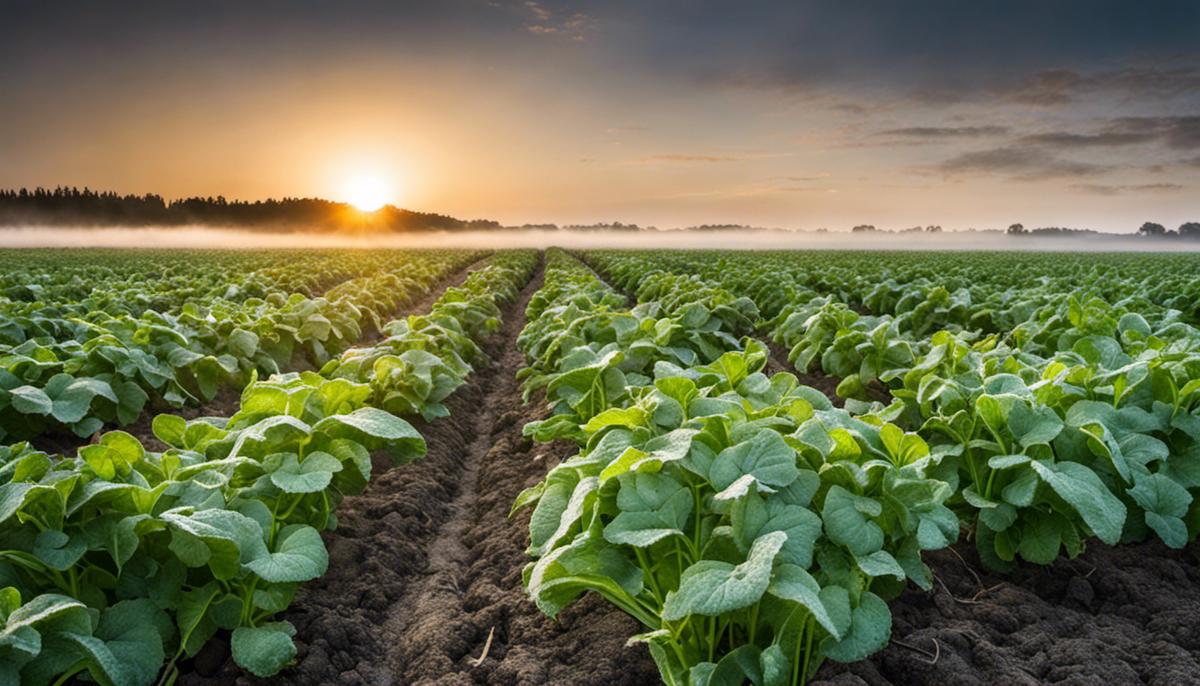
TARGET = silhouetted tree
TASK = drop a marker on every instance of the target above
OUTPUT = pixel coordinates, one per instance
(864, 228)
(1152, 229)
(1016, 229)
(1190, 230)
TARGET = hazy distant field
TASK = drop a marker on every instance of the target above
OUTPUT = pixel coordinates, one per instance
(182, 237)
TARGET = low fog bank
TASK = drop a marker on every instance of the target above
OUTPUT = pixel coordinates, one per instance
(199, 237)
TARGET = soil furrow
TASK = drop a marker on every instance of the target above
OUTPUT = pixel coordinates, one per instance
(474, 588)
(424, 303)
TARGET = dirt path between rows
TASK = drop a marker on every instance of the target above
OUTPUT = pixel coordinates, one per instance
(469, 621)
(426, 565)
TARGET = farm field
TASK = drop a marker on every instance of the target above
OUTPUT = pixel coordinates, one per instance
(599, 467)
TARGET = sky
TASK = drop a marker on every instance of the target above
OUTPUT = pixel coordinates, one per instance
(791, 114)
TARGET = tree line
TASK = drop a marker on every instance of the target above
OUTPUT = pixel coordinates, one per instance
(1186, 230)
(68, 206)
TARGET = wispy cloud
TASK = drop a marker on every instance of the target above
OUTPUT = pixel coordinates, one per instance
(575, 25)
(1020, 163)
(1066, 139)
(822, 176)
(752, 191)
(1180, 133)
(701, 158)
(614, 130)
(943, 132)
(1061, 86)
(686, 158)
(1119, 189)
(1055, 87)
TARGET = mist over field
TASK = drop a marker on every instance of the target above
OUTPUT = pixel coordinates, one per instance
(206, 237)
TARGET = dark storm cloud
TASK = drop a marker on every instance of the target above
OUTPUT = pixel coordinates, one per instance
(1024, 51)
(937, 50)
(1020, 163)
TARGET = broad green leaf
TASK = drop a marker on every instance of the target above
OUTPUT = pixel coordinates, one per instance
(793, 583)
(880, 563)
(652, 507)
(870, 629)
(312, 475)
(711, 587)
(1083, 490)
(263, 650)
(1041, 538)
(371, 425)
(1166, 503)
(766, 457)
(299, 555)
(752, 516)
(846, 521)
(31, 400)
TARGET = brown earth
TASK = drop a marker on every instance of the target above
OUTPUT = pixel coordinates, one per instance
(1115, 615)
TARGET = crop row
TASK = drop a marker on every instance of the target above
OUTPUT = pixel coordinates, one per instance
(751, 527)
(82, 365)
(78, 282)
(755, 530)
(1081, 420)
(119, 559)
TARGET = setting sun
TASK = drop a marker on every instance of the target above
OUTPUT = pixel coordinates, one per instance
(367, 193)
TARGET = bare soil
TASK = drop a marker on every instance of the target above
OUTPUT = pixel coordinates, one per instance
(778, 362)
(1128, 614)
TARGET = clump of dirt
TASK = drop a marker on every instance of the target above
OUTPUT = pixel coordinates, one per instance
(1127, 614)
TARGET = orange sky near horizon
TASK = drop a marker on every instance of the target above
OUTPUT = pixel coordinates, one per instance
(545, 112)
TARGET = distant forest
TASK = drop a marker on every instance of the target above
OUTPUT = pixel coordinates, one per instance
(71, 207)
(64, 206)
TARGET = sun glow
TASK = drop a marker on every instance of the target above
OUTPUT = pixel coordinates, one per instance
(367, 193)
